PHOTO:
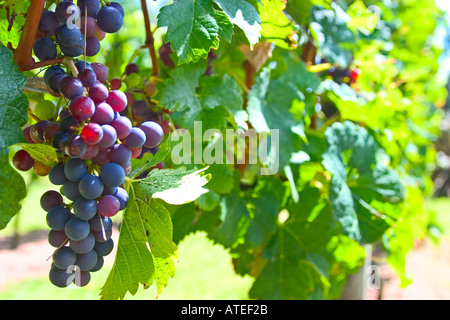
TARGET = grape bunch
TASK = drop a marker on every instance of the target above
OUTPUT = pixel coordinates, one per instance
(76, 29)
(95, 144)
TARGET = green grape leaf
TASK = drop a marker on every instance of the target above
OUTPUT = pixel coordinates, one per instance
(331, 32)
(359, 185)
(192, 28)
(177, 186)
(13, 115)
(41, 152)
(145, 224)
(245, 16)
(276, 26)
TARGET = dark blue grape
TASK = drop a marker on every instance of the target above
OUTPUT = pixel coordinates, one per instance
(51, 199)
(85, 209)
(83, 246)
(56, 175)
(57, 218)
(104, 248)
(99, 265)
(136, 138)
(112, 175)
(48, 24)
(98, 223)
(87, 261)
(60, 277)
(120, 154)
(75, 169)
(122, 196)
(70, 190)
(56, 238)
(91, 187)
(109, 19)
(44, 49)
(64, 257)
(77, 229)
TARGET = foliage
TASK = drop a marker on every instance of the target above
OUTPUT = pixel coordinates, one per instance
(354, 157)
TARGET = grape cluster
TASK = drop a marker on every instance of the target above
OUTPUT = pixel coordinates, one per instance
(76, 29)
(95, 145)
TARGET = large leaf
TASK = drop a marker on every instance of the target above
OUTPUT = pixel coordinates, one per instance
(192, 28)
(13, 115)
(359, 185)
(245, 16)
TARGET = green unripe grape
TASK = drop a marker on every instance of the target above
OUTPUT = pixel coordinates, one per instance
(45, 110)
(133, 80)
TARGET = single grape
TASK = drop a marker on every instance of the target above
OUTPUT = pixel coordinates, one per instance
(87, 261)
(74, 50)
(92, 46)
(67, 36)
(70, 87)
(122, 196)
(60, 277)
(100, 71)
(153, 132)
(44, 49)
(99, 223)
(131, 68)
(103, 114)
(57, 218)
(123, 126)
(104, 248)
(64, 257)
(82, 278)
(98, 92)
(48, 24)
(56, 238)
(83, 246)
(108, 206)
(118, 7)
(112, 175)
(109, 136)
(110, 19)
(136, 138)
(85, 209)
(70, 190)
(51, 131)
(81, 66)
(64, 10)
(117, 100)
(23, 161)
(56, 175)
(91, 187)
(99, 265)
(87, 77)
(92, 133)
(77, 229)
(75, 169)
(90, 25)
(51, 199)
(41, 169)
(120, 154)
(115, 83)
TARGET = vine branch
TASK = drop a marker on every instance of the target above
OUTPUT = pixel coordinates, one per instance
(149, 40)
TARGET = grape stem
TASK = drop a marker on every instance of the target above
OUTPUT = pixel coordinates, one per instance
(149, 40)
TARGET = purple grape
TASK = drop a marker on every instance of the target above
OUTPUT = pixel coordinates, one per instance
(109, 136)
(123, 126)
(153, 132)
(104, 114)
